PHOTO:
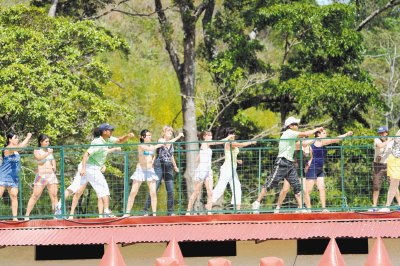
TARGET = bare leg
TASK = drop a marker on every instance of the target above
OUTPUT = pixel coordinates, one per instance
(106, 202)
(393, 188)
(193, 197)
(37, 192)
(153, 195)
(398, 197)
(52, 189)
(375, 196)
(309, 187)
(283, 193)
(75, 200)
(135, 188)
(2, 189)
(262, 194)
(209, 188)
(13, 191)
(100, 205)
(321, 188)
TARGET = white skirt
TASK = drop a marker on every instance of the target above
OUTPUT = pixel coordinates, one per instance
(144, 175)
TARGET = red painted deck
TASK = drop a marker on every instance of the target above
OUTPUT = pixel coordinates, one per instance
(201, 228)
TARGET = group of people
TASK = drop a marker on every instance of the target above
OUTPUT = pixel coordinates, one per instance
(156, 163)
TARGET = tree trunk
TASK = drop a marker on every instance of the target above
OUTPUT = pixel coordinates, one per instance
(53, 8)
(187, 84)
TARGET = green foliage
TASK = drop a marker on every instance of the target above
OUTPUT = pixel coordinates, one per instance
(337, 96)
(50, 80)
(75, 8)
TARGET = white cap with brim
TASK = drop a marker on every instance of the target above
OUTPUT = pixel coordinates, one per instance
(291, 120)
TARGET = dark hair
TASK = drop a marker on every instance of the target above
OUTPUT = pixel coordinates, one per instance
(8, 137)
(317, 133)
(41, 138)
(230, 131)
(203, 133)
(97, 132)
(143, 135)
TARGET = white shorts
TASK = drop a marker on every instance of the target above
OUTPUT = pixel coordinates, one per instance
(202, 173)
(96, 178)
(144, 175)
(76, 183)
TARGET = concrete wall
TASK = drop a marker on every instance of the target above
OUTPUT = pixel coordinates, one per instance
(248, 253)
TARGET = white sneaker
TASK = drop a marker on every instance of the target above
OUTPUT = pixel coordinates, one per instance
(255, 206)
(384, 210)
(325, 210)
(57, 212)
(302, 210)
(108, 214)
(277, 210)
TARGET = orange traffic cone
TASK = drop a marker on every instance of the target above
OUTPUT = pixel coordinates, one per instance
(173, 251)
(378, 255)
(332, 255)
(271, 261)
(219, 262)
(166, 261)
(112, 256)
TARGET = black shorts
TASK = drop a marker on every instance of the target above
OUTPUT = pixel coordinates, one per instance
(283, 169)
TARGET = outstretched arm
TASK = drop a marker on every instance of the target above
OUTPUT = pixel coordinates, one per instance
(309, 132)
(180, 135)
(229, 137)
(125, 138)
(243, 144)
(24, 143)
(337, 139)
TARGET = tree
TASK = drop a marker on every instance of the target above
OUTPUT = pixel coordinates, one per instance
(50, 80)
(307, 41)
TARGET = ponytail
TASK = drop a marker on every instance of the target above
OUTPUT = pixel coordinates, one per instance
(8, 137)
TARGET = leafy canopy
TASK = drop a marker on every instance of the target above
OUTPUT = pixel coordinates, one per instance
(50, 79)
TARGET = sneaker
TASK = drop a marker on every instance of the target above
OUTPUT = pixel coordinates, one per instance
(374, 209)
(108, 214)
(277, 210)
(325, 210)
(384, 210)
(57, 212)
(255, 206)
(187, 214)
(302, 210)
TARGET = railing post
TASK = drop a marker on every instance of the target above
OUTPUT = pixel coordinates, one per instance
(126, 180)
(179, 179)
(20, 199)
(259, 170)
(342, 177)
(233, 179)
(301, 173)
(62, 181)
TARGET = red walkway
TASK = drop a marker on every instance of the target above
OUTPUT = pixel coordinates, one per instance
(200, 228)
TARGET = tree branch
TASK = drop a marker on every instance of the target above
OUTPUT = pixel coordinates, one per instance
(390, 4)
(166, 31)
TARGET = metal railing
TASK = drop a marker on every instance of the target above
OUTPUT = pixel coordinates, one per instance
(348, 181)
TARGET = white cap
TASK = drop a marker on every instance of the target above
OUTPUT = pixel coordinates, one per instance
(291, 120)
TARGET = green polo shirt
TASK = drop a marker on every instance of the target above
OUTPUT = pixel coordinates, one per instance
(287, 147)
(98, 154)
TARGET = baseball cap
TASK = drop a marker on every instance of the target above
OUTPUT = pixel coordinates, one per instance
(382, 129)
(106, 126)
(291, 120)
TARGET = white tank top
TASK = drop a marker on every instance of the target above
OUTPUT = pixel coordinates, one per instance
(205, 157)
(228, 160)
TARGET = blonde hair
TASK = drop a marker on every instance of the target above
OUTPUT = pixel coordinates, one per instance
(165, 129)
